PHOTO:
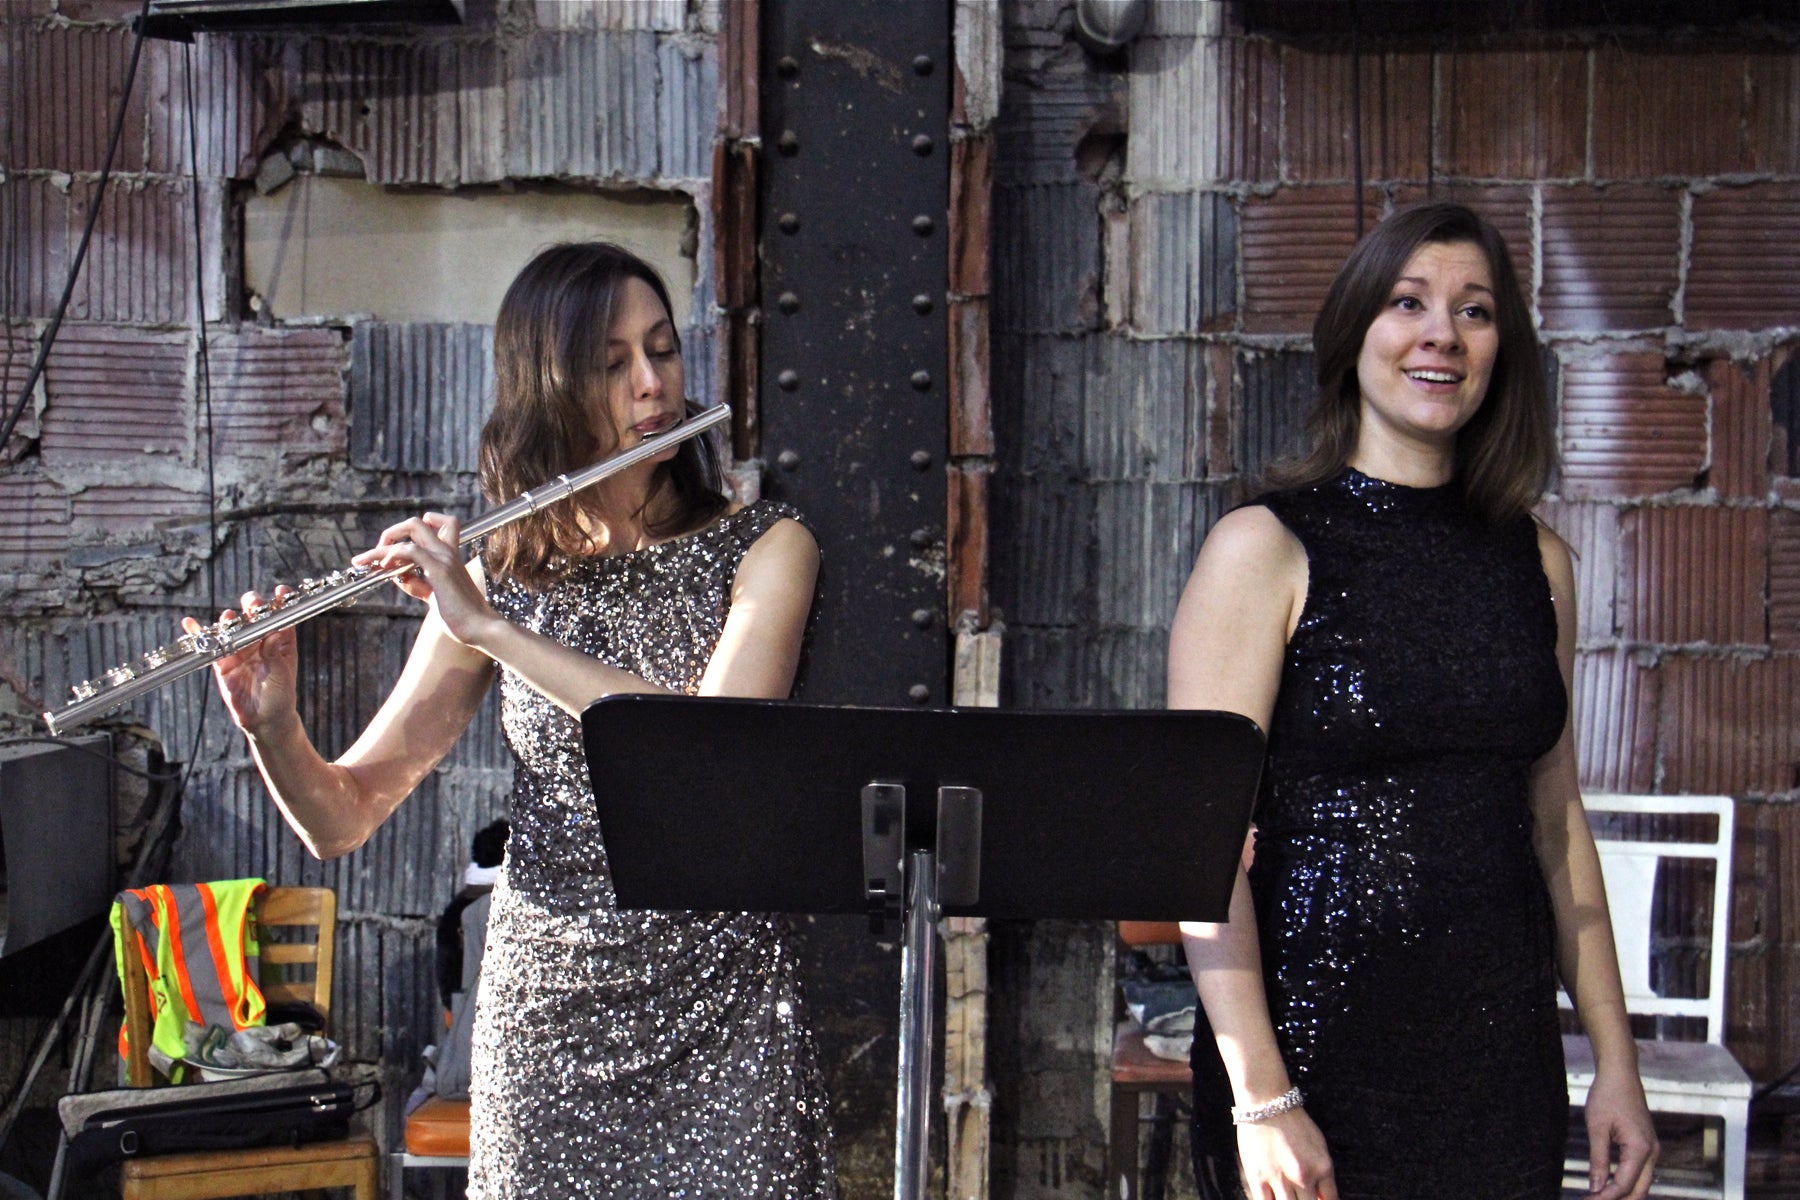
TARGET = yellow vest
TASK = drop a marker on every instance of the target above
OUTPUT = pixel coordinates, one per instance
(198, 944)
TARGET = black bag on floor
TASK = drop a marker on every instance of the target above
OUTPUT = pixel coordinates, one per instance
(282, 1108)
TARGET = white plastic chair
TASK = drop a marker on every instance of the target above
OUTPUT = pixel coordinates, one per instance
(1693, 1077)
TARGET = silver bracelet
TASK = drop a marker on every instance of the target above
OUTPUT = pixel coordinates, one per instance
(1262, 1112)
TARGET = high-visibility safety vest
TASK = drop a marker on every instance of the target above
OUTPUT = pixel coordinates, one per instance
(198, 944)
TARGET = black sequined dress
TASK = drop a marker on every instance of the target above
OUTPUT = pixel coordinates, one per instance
(631, 1054)
(1406, 930)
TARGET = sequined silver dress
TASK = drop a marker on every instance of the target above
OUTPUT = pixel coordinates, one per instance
(631, 1054)
(1405, 926)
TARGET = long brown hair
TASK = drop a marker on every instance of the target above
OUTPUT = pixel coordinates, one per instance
(549, 364)
(1505, 452)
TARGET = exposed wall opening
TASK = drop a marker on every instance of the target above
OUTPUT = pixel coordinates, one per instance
(328, 247)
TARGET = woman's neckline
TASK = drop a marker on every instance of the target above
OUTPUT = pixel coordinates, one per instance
(717, 523)
(1354, 475)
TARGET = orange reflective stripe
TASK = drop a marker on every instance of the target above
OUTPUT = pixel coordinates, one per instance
(222, 963)
(171, 932)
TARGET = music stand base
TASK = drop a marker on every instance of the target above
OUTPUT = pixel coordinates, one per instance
(918, 972)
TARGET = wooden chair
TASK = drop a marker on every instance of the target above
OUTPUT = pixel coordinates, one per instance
(1136, 1073)
(437, 1138)
(1691, 1077)
(353, 1162)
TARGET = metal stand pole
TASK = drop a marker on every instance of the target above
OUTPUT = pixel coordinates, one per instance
(918, 967)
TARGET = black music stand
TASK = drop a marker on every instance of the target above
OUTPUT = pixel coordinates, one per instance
(764, 806)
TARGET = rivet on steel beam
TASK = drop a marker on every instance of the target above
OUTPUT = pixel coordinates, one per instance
(788, 460)
(787, 67)
(922, 304)
(922, 618)
(918, 693)
(787, 302)
(789, 223)
(922, 539)
(920, 459)
(788, 143)
(922, 225)
(922, 145)
(921, 381)
(788, 381)
(923, 65)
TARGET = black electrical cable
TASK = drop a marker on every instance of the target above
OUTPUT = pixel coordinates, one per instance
(1774, 1085)
(87, 232)
(204, 361)
(1356, 139)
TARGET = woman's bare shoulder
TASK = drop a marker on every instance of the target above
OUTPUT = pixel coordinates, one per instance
(1252, 539)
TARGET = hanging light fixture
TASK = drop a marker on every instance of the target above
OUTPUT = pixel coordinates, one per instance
(1106, 27)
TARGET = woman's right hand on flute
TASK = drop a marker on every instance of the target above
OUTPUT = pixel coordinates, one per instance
(439, 575)
(257, 682)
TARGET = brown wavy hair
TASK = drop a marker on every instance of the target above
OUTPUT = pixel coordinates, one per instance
(1505, 453)
(549, 363)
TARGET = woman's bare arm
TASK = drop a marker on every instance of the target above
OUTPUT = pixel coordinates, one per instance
(1225, 653)
(1586, 957)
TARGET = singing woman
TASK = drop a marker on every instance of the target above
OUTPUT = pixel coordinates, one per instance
(619, 1054)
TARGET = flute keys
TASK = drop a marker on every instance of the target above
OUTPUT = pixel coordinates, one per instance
(120, 675)
(87, 689)
(155, 658)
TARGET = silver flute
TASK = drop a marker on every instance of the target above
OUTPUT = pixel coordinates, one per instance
(192, 651)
